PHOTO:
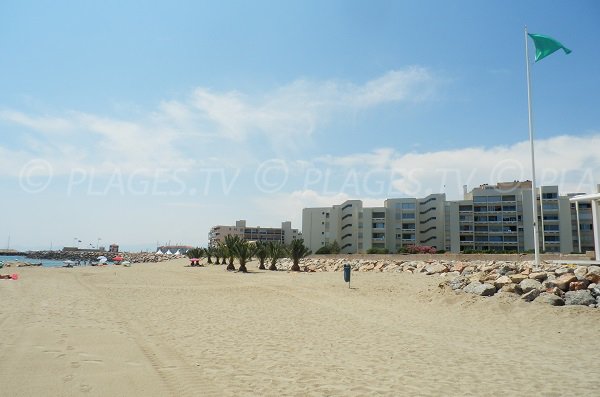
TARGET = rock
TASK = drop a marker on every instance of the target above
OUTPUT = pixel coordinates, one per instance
(593, 274)
(556, 291)
(505, 269)
(563, 270)
(531, 295)
(581, 297)
(435, 268)
(458, 267)
(480, 289)
(529, 285)
(578, 285)
(580, 272)
(457, 282)
(564, 280)
(502, 281)
(517, 278)
(550, 299)
(539, 276)
(511, 288)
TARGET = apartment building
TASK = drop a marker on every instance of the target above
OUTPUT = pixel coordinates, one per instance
(284, 234)
(500, 218)
(399, 222)
(489, 217)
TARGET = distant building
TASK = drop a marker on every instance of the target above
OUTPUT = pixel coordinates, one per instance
(113, 248)
(173, 249)
(284, 234)
(489, 218)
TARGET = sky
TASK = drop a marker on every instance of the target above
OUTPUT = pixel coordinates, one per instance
(147, 122)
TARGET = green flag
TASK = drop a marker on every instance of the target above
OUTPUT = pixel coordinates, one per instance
(545, 46)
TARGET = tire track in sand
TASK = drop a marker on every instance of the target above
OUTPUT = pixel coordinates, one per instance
(179, 377)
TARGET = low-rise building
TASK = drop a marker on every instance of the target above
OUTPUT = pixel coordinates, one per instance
(285, 234)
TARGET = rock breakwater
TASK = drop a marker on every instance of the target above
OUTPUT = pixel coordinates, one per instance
(87, 256)
(554, 284)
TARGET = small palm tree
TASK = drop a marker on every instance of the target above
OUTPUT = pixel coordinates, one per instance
(195, 253)
(261, 251)
(243, 251)
(297, 251)
(275, 250)
(229, 247)
(230, 243)
(209, 252)
(219, 253)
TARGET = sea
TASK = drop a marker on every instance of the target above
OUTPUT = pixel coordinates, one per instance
(45, 262)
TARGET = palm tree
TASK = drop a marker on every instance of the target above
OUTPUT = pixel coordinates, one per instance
(275, 250)
(243, 251)
(219, 253)
(297, 251)
(229, 248)
(261, 251)
(195, 253)
(210, 252)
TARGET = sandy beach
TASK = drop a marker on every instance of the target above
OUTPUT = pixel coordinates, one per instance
(166, 329)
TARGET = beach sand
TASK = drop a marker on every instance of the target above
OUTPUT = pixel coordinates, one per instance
(170, 330)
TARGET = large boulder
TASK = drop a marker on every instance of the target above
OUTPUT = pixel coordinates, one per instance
(539, 276)
(564, 280)
(530, 295)
(563, 270)
(581, 297)
(580, 272)
(577, 285)
(517, 278)
(435, 268)
(458, 282)
(550, 299)
(593, 274)
(480, 289)
(502, 281)
(530, 284)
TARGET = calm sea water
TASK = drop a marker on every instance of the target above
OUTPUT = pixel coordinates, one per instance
(45, 262)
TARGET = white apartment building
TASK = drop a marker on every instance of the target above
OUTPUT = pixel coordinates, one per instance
(284, 234)
(489, 218)
(400, 222)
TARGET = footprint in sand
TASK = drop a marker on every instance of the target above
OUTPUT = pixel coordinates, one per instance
(85, 388)
(67, 378)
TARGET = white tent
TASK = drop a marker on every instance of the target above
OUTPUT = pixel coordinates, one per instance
(178, 252)
(169, 252)
(159, 252)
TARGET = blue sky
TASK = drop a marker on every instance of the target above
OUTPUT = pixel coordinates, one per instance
(137, 122)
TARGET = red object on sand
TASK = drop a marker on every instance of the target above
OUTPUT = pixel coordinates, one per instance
(14, 276)
(118, 258)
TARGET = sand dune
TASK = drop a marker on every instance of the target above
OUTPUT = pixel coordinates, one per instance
(171, 330)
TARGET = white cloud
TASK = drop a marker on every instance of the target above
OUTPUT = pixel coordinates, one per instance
(230, 127)
(571, 162)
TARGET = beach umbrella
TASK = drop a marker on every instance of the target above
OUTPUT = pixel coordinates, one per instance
(100, 258)
(117, 258)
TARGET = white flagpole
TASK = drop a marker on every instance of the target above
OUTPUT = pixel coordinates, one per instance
(533, 187)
